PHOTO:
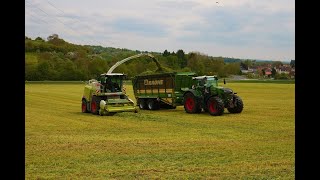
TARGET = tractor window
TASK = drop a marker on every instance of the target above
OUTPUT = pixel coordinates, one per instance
(211, 82)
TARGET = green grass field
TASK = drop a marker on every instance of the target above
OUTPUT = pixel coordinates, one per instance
(63, 143)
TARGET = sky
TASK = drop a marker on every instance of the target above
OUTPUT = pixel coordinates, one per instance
(245, 29)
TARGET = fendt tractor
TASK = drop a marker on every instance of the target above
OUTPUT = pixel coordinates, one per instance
(106, 96)
(169, 90)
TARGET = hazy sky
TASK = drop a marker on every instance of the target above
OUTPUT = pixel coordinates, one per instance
(246, 29)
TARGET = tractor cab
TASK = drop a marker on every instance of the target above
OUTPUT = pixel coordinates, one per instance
(112, 82)
(206, 81)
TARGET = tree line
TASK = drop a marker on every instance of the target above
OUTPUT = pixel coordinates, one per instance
(56, 59)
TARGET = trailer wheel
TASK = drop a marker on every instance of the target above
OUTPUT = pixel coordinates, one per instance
(95, 105)
(84, 107)
(142, 104)
(191, 105)
(215, 106)
(238, 105)
(153, 104)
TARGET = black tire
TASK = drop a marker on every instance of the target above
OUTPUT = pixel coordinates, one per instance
(142, 104)
(95, 105)
(215, 106)
(153, 104)
(191, 105)
(110, 114)
(238, 105)
(84, 107)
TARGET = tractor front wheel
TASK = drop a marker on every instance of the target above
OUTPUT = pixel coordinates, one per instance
(215, 106)
(191, 105)
(238, 105)
(95, 105)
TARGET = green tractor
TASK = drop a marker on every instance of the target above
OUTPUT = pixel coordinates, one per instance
(106, 96)
(207, 95)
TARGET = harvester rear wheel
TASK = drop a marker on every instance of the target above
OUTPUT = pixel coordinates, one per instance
(142, 104)
(215, 106)
(238, 105)
(84, 107)
(191, 105)
(95, 105)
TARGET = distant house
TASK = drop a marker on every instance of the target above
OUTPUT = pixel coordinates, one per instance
(253, 70)
(292, 73)
(244, 68)
(284, 69)
(268, 72)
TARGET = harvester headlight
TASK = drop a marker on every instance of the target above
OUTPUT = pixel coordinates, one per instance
(102, 104)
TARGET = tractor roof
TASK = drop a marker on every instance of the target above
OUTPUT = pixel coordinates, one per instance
(112, 74)
(202, 77)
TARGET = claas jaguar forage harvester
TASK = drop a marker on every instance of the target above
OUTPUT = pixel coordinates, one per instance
(106, 96)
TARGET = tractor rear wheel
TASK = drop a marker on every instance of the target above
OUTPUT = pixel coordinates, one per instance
(215, 106)
(238, 105)
(142, 104)
(95, 105)
(191, 105)
(84, 107)
(153, 104)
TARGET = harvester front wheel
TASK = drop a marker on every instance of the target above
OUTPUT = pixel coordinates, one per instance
(95, 105)
(215, 106)
(238, 105)
(191, 105)
(142, 104)
(84, 107)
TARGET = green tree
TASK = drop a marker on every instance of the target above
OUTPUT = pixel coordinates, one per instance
(166, 53)
(247, 62)
(39, 39)
(43, 70)
(232, 68)
(53, 36)
(277, 64)
(181, 58)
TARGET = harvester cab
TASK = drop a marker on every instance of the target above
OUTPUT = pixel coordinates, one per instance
(112, 82)
(106, 96)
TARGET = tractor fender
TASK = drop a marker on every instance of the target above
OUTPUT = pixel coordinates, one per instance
(196, 94)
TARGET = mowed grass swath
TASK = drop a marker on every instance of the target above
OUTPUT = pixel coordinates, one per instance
(63, 143)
